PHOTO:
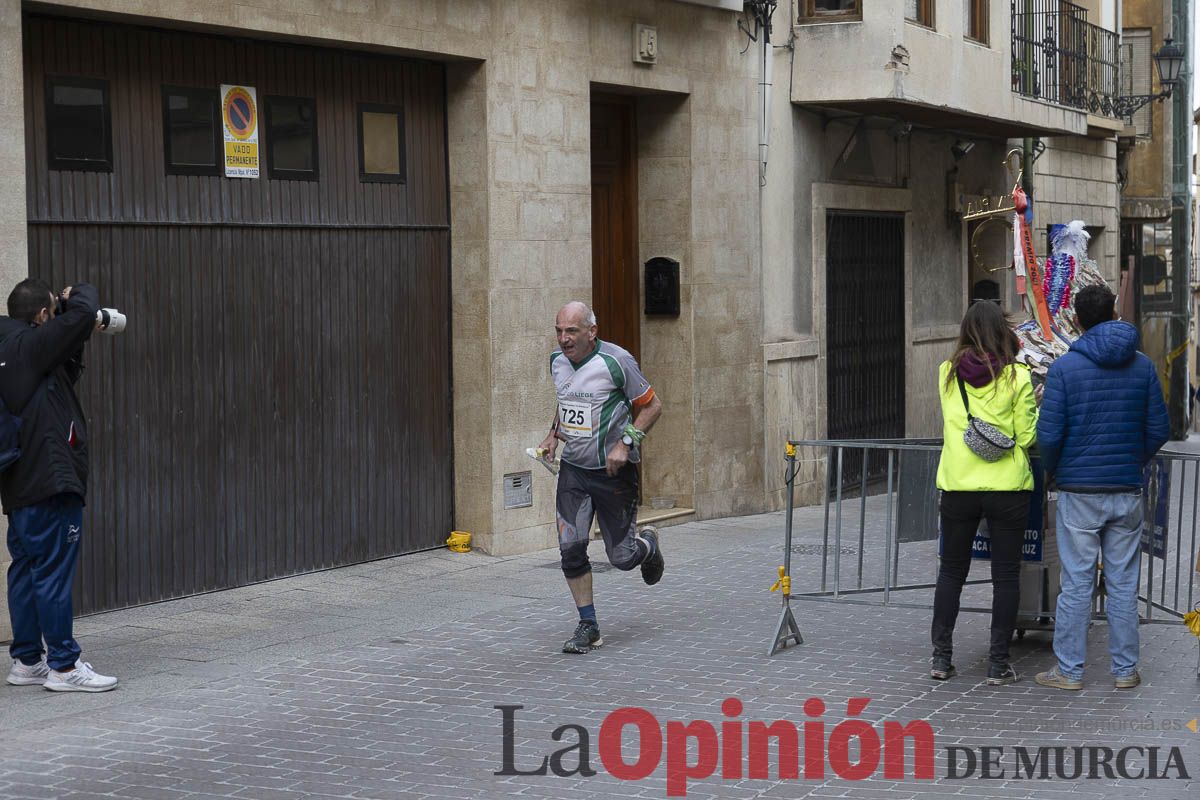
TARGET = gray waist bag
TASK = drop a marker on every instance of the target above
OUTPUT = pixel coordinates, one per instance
(983, 438)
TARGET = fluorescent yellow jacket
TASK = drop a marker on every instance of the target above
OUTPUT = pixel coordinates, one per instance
(1007, 403)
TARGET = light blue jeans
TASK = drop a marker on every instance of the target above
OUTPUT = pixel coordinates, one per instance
(1092, 526)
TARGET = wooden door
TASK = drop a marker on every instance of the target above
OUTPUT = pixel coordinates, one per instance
(616, 298)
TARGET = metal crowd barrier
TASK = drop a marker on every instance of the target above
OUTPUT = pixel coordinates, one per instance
(879, 496)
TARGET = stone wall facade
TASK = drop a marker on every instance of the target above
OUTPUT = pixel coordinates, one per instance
(1076, 178)
(520, 75)
(742, 368)
(1147, 192)
(14, 246)
(816, 134)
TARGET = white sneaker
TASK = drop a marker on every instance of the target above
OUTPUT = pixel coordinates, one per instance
(81, 679)
(21, 675)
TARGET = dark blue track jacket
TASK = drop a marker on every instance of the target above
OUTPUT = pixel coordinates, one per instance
(1103, 415)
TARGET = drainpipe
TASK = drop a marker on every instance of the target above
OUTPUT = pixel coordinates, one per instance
(762, 11)
(1028, 77)
(1177, 389)
(764, 89)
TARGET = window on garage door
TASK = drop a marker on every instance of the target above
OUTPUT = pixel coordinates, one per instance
(381, 143)
(191, 131)
(78, 124)
(291, 138)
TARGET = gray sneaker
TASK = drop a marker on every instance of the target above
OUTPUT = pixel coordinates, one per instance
(586, 638)
(81, 679)
(1056, 680)
(1129, 681)
(25, 675)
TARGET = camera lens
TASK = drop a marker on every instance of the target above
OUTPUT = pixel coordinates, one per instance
(111, 320)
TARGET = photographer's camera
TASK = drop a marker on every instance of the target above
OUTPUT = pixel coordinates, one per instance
(110, 320)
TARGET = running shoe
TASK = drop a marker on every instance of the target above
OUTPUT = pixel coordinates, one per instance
(653, 566)
(586, 638)
(81, 679)
(28, 675)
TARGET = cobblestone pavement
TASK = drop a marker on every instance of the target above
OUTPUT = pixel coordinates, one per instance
(381, 681)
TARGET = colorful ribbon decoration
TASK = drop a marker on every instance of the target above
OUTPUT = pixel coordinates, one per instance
(1025, 215)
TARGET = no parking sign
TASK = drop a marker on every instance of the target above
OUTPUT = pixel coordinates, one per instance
(239, 113)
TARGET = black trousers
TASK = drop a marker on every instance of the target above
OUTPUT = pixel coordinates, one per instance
(1007, 514)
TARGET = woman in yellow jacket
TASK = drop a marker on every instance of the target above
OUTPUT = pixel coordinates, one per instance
(998, 391)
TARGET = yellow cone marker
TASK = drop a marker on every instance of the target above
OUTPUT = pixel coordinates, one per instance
(1192, 726)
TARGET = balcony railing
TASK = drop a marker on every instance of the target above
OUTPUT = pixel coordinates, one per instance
(1060, 57)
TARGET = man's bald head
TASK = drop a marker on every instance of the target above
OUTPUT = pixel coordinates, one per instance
(575, 328)
(577, 312)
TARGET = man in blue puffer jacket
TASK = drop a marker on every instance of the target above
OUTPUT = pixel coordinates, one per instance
(1102, 419)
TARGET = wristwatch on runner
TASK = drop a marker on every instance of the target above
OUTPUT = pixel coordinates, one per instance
(627, 440)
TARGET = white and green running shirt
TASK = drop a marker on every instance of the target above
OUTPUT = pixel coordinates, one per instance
(595, 402)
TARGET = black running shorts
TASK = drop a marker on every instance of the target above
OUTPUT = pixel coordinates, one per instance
(584, 494)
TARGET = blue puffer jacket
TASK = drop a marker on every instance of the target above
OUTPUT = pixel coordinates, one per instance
(1103, 415)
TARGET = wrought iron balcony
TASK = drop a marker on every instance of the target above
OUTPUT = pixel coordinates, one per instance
(1061, 58)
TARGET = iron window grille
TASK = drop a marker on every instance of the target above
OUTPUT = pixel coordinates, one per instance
(1059, 57)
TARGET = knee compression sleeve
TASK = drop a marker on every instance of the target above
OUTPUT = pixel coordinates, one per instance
(572, 548)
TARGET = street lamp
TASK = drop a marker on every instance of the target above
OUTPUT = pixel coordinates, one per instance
(1169, 63)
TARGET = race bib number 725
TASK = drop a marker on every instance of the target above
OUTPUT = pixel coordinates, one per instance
(575, 419)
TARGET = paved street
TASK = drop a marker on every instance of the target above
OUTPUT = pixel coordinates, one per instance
(380, 681)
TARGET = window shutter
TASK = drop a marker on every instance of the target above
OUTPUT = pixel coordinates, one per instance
(1136, 68)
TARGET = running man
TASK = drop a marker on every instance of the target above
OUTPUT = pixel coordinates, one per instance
(605, 408)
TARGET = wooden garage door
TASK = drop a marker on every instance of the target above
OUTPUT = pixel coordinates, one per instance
(280, 402)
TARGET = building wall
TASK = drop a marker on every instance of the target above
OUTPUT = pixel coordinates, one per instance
(14, 248)
(664, 127)
(883, 57)
(470, 276)
(1076, 178)
(519, 81)
(1101, 12)
(1148, 166)
(548, 56)
(741, 370)
(804, 179)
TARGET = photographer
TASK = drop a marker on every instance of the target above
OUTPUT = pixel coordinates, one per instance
(41, 358)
